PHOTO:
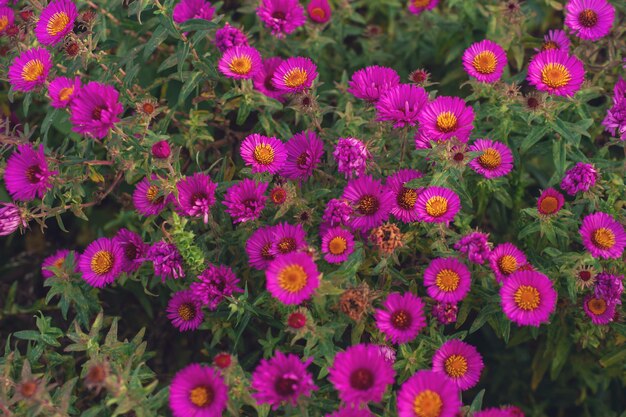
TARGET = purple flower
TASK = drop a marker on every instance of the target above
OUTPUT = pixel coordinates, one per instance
(505, 259)
(495, 160)
(216, 283)
(161, 150)
(62, 90)
(101, 263)
(599, 310)
(556, 72)
(7, 17)
(337, 245)
(609, 287)
(528, 298)
(264, 79)
(615, 120)
(196, 196)
(351, 412)
(419, 6)
(258, 247)
(282, 17)
(319, 11)
(485, 61)
(603, 236)
(10, 218)
(228, 37)
(304, 153)
(133, 248)
(30, 69)
(337, 213)
(550, 202)
(371, 202)
(589, 19)
(475, 246)
(240, 62)
(95, 109)
(405, 199)
(246, 200)
(57, 260)
(447, 117)
(445, 313)
(294, 74)
(148, 197)
(579, 178)
(371, 82)
(401, 105)
(426, 392)
(55, 21)
(185, 311)
(437, 205)
(263, 154)
(287, 238)
(27, 175)
(166, 260)
(401, 318)
(198, 391)
(447, 280)
(460, 362)
(292, 278)
(555, 39)
(351, 155)
(192, 9)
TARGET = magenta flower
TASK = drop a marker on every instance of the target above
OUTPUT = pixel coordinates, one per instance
(418, 6)
(133, 249)
(101, 263)
(149, 197)
(528, 298)
(460, 362)
(304, 153)
(485, 61)
(428, 393)
(240, 62)
(505, 259)
(579, 178)
(319, 11)
(185, 311)
(10, 218)
(603, 236)
(283, 379)
(198, 391)
(371, 82)
(161, 150)
(264, 79)
(263, 154)
(287, 238)
(447, 117)
(370, 200)
(228, 37)
(245, 200)
(192, 9)
(555, 39)
(556, 72)
(196, 196)
(361, 374)
(475, 246)
(599, 310)
(57, 260)
(258, 247)
(401, 105)
(30, 69)
(615, 120)
(351, 155)
(27, 175)
(351, 412)
(292, 278)
(437, 205)
(55, 21)
(337, 213)
(589, 19)
(404, 205)
(95, 109)
(447, 280)
(61, 91)
(282, 17)
(7, 18)
(294, 74)
(495, 161)
(401, 318)
(166, 260)
(445, 313)
(609, 287)
(550, 202)
(337, 245)
(216, 283)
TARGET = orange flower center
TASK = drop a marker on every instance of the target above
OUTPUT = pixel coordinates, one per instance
(555, 75)
(421, 3)
(507, 264)
(456, 366)
(186, 311)
(603, 238)
(66, 93)
(337, 245)
(490, 159)
(4, 22)
(292, 278)
(407, 198)
(295, 77)
(485, 62)
(548, 45)
(368, 204)
(32, 70)
(57, 23)
(447, 122)
(427, 404)
(437, 206)
(318, 13)
(548, 205)
(201, 396)
(401, 319)
(527, 297)
(152, 194)
(102, 262)
(447, 280)
(597, 306)
(240, 65)
(588, 18)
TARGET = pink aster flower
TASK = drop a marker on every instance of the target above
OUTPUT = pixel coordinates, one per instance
(615, 120)
(528, 298)
(550, 202)
(192, 9)
(215, 283)
(447, 280)
(95, 109)
(7, 18)
(292, 278)
(282, 17)
(445, 118)
(245, 200)
(10, 218)
(55, 21)
(361, 374)
(579, 178)
(599, 310)
(27, 175)
(445, 313)
(505, 259)
(264, 79)
(149, 197)
(426, 392)
(609, 287)
(228, 37)
(460, 362)
(337, 213)
(196, 196)
(437, 205)
(401, 318)
(198, 391)
(185, 311)
(495, 161)
(319, 11)
(485, 61)
(351, 155)
(30, 69)
(263, 154)
(405, 199)
(556, 72)
(475, 246)
(371, 82)
(282, 379)
(555, 39)
(287, 238)
(370, 200)
(351, 412)
(401, 105)
(61, 91)
(133, 249)
(294, 74)
(166, 260)
(57, 260)
(101, 262)
(603, 236)
(304, 153)
(337, 245)
(240, 62)
(418, 6)
(589, 19)
(258, 247)
(161, 150)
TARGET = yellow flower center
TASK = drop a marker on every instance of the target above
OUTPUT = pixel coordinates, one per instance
(437, 206)
(447, 280)
(153, 195)
(32, 70)
(548, 45)
(603, 238)
(507, 264)
(292, 278)
(597, 306)
(368, 204)
(264, 154)
(318, 13)
(588, 18)
(102, 262)
(57, 23)
(240, 65)
(555, 75)
(548, 205)
(407, 198)
(201, 396)
(4, 22)
(447, 122)
(456, 366)
(427, 404)
(485, 62)
(295, 77)
(490, 159)
(186, 311)
(527, 297)
(287, 245)
(337, 245)
(66, 93)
